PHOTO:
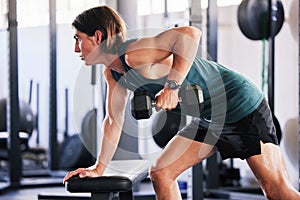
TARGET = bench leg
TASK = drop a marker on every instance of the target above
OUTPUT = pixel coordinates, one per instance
(102, 196)
(126, 195)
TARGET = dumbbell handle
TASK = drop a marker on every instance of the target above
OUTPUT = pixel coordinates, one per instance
(142, 103)
(153, 102)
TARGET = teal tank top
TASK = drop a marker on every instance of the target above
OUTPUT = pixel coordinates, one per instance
(228, 96)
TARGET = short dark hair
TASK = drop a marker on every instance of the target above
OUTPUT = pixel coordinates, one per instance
(108, 21)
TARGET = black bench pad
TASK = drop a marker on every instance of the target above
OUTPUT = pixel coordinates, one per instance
(120, 176)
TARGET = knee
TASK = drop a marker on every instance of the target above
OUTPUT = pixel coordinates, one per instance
(276, 190)
(272, 193)
(160, 175)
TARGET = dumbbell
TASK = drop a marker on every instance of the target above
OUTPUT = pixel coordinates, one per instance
(190, 98)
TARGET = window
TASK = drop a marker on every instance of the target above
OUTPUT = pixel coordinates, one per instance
(32, 13)
(148, 7)
(177, 5)
(3, 14)
(221, 3)
(67, 10)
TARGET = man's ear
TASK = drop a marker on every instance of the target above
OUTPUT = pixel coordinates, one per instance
(98, 35)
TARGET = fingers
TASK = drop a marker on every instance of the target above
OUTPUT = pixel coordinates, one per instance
(88, 173)
(73, 173)
(165, 105)
(82, 173)
(167, 99)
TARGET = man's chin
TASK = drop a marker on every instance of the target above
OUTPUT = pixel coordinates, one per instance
(86, 62)
(93, 57)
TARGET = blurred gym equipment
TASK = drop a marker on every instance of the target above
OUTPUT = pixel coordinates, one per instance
(262, 20)
(255, 16)
(73, 153)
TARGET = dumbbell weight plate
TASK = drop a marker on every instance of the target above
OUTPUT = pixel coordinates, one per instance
(192, 100)
(141, 105)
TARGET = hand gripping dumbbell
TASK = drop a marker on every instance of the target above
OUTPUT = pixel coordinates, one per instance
(190, 98)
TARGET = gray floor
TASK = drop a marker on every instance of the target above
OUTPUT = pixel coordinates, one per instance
(57, 192)
(145, 193)
(31, 187)
(41, 188)
(30, 193)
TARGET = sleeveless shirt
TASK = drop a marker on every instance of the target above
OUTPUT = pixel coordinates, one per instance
(228, 96)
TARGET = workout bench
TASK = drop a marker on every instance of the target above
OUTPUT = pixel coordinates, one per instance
(121, 176)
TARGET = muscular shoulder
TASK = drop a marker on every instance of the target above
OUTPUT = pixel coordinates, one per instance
(189, 31)
(149, 50)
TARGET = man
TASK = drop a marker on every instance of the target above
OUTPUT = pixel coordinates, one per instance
(235, 120)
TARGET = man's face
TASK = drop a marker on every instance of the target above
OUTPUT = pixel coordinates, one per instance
(84, 44)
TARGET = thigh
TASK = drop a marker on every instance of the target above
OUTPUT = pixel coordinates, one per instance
(268, 167)
(182, 153)
(239, 139)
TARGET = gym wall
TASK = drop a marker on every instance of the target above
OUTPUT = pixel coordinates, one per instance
(245, 56)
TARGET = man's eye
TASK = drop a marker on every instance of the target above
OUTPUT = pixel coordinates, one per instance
(76, 38)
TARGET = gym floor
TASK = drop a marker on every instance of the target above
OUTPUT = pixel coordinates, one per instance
(42, 184)
(55, 191)
(30, 193)
(144, 192)
(59, 192)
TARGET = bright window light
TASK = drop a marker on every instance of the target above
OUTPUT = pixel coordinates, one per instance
(32, 13)
(221, 3)
(158, 6)
(144, 7)
(3, 15)
(148, 7)
(177, 5)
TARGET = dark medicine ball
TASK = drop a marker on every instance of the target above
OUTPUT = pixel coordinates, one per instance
(27, 122)
(254, 18)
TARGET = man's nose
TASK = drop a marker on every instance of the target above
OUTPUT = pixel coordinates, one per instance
(76, 48)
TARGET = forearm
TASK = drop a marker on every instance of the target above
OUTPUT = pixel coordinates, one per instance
(111, 136)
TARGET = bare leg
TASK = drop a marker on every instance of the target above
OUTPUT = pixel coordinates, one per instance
(180, 154)
(270, 171)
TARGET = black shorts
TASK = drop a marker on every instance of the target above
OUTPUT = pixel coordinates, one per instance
(235, 140)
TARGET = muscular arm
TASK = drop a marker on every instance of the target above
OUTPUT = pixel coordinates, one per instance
(184, 49)
(112, 126)
(113, 122)
(181, 43)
